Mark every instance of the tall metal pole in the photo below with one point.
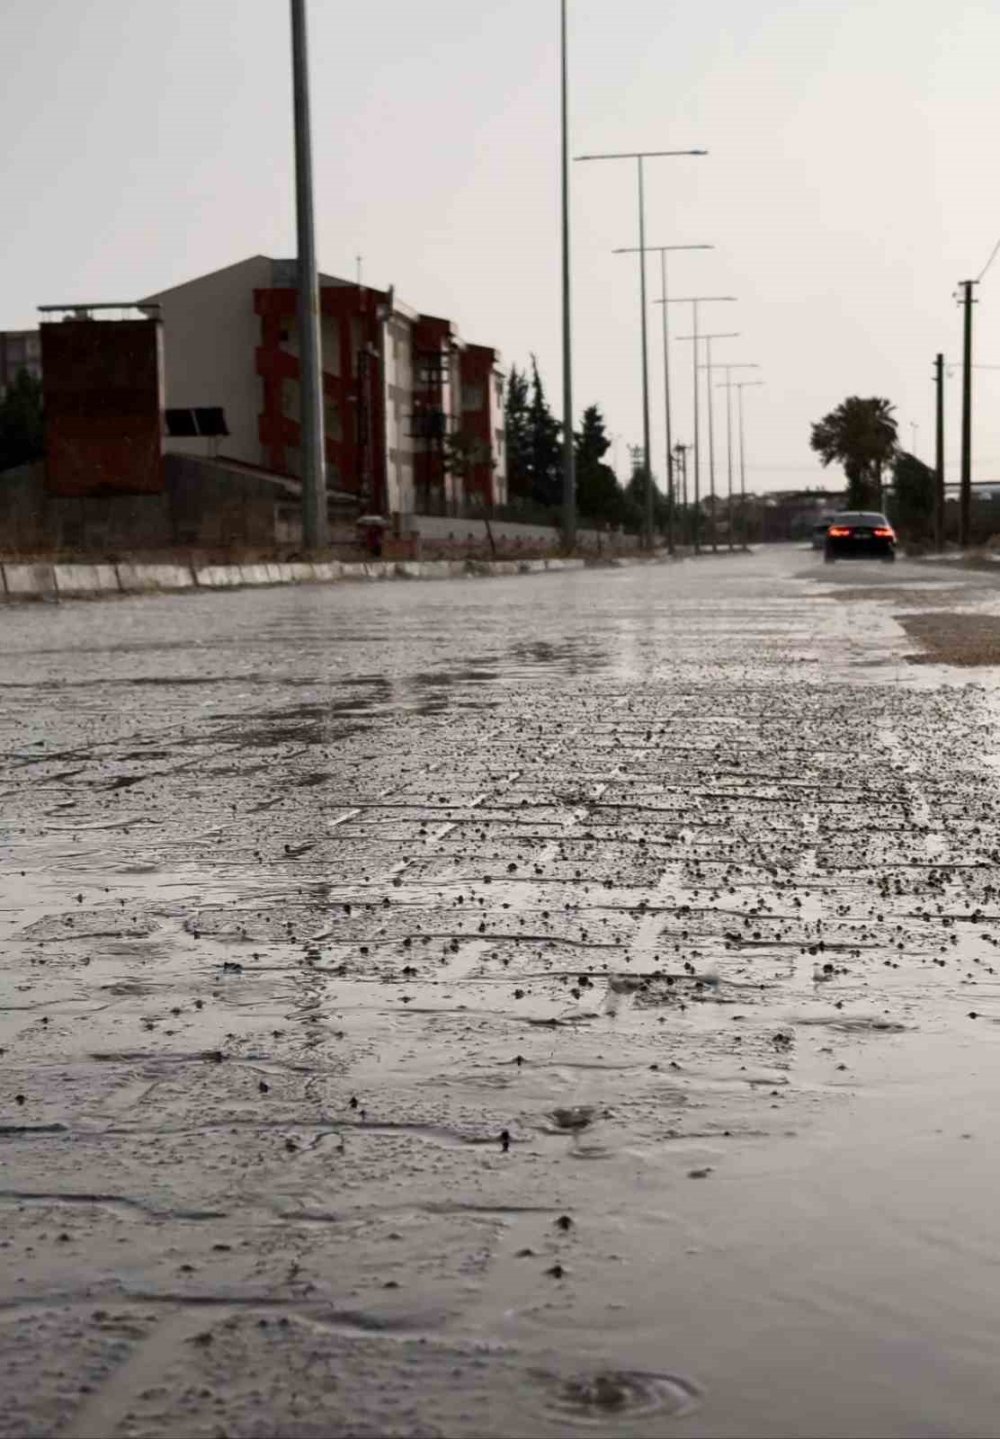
(639, 156)
(939, 454)
(666, 401)
(719, 335)
(662, 250)
(741, 385)
(647, 455)
(697, 439)
(965, 497)
(729, 457)
(711, 437)
(693, 301)
(315, 525)
(743, 473)
(569, 458)
(727, 385)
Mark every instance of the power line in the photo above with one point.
(993, 254)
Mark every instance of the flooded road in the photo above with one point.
(548, 1006)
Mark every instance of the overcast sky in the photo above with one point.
(852, 181)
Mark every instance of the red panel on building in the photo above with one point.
(103, 394)
(356, 456)
(477, 364)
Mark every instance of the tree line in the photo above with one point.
(535, 460)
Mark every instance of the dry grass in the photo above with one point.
(901, 596)
(954, 639)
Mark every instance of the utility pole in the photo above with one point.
(569, 458)
(965, 496)
(939, 455)
(680, 468)
(638, 156)
(315, 525)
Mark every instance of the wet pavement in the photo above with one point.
(546, 1006)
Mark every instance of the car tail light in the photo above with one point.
(839, 532)
(884, 534)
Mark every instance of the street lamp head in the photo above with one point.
(658, 249)
(638, 154)
(693, 299)
(729, 365)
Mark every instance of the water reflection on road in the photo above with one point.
(531, 1005)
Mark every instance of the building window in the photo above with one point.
(208, 421)
(473, 397)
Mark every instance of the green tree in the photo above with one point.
(599, 496)
(544, 445)
(913, 485)
(21, 422)
(861, 435)
(517, 433)
(635, 498)
(464, 453)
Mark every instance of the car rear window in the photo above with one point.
(861, 517)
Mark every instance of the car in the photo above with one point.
(859, 534)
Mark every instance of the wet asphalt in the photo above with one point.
(553, 1005)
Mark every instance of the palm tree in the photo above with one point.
(861, 435)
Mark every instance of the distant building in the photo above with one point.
(414, 414)
(19, 350)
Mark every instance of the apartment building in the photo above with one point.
(414, 414)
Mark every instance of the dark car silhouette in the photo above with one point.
(859, 534)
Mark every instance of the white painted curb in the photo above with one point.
(218, 577)
(29, 582)
(141, 579)
(80, 580)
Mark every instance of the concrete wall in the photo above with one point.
(204, 505)
(210, 339)
(443, 536)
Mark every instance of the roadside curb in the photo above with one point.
(33, 582)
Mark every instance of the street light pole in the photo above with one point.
(965, 495)
(741, 385)
(569, 458)
(638, 156)
(711, 425)
(727, 385)
(694, 301)
(315, 525)
(939, 453)
(662, 251)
